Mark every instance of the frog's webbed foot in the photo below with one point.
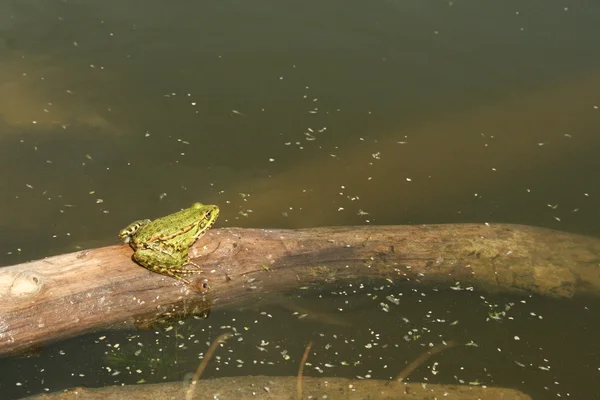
(193, 263)
(177, 273)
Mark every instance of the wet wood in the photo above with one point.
(67, 295)
(283, 388)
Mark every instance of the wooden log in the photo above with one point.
(67, 295)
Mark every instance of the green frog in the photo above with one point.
(162, 245)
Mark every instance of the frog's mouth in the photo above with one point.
(125, 237)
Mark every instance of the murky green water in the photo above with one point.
(319, 113)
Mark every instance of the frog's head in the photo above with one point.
(210, 214)
(130, 230)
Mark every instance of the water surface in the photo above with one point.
(301, 114)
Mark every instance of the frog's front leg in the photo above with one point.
(164, 263)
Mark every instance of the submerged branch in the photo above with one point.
(409, 369)
(189, 394)
(299, 387)
(281, 388)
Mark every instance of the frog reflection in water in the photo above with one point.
(162, 245)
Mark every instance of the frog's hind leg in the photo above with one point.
(174, 255)
(168, 250)
(168, 265)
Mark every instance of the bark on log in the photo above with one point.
(67, 295)
(284, 388)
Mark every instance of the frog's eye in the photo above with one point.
(212, 214)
